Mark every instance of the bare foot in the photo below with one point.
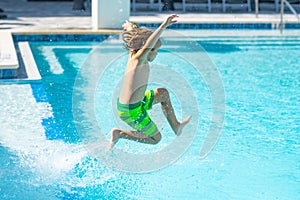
(115, 136)
(182, 124)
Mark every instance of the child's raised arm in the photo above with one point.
(151, 41)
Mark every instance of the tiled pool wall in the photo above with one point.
(14, 73)
(100, 37)
(235, 26)
(56, 37)
(6, 74)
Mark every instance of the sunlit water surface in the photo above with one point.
(256, 156)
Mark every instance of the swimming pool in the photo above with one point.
(45, 155)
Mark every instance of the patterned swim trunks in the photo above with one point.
(136, 116)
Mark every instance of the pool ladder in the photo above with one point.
(281, 23)
(283, 2)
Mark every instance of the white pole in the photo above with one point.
(256, 8)
(109, 14)
(281, 16)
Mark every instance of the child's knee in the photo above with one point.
(164, 93)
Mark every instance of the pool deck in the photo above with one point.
(23, 16)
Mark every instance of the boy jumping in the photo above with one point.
(134, 99)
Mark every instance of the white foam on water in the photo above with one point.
(22, 133)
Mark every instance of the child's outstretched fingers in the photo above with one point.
(170, 20)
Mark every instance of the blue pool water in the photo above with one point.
(45, 154)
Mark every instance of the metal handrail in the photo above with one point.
(282, 12)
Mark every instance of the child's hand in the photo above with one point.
(170, 20)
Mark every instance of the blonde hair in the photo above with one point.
(134, 37)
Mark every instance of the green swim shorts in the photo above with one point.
(136, 116)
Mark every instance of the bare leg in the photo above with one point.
(116, 134)
(161, 95)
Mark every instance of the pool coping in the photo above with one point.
(8, 56)
(29, 62)
(27, 70)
